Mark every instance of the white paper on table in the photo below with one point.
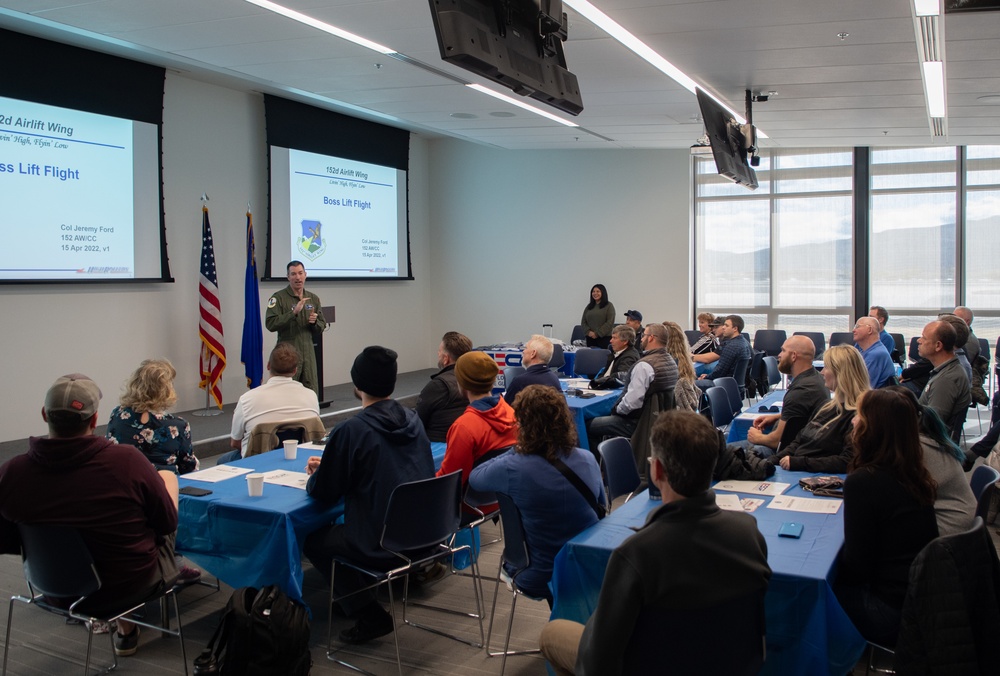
(734, 503)
(753, 487)
(599, 393)
(312, 446)
(729, 502)
(218, 473)
(282, 477)
(811, 505)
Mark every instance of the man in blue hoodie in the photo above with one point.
(365, 459)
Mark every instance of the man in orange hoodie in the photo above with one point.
(487, 427)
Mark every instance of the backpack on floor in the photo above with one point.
(261, 633)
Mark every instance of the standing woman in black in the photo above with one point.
(598, 318)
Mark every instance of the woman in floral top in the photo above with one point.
(141, 419)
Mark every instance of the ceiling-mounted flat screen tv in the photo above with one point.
(728, 141)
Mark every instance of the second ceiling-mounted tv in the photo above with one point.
(728, 140)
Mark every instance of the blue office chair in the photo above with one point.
(515, 553)
(589, 361)
(818, 339)
(732, 389)
(841, 338)
(984, 485)
(769, 341)
(773, 374)
(510, 373)
(58, 565)
(914, 352)
(558, 358)
(719, 408)
(420, 519)
(619, 466)
(578, 334)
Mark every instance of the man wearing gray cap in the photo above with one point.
(125, 510)
(366, 458)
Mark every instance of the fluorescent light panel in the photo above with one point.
(927, 7)
(644, 51)
(321, 25)
(520, 104)
(381, 49)
(934, 87)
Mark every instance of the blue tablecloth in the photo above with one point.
(807, 631)
(741, 424)
(585, 409)
(252, 542)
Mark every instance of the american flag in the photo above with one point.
(213, 353)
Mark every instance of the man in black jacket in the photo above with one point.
(623, 356)
(440, 402)
(365, 459)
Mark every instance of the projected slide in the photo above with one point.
(67, 185)
(345, 217)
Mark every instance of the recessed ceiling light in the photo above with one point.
(502, 113)
(464, 116)
(989, 98)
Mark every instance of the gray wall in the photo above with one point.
(520, 237)
(502, 242)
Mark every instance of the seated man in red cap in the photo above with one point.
(109, 492)
(365, 459)
(487, 428)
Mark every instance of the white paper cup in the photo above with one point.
(291, 449)
(255, 485)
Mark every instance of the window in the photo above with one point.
(786, 254)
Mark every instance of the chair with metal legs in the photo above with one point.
(421, 518)
(515, 553)
(58, 565)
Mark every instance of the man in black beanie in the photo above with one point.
(366, 457)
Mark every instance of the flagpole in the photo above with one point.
(209, 410)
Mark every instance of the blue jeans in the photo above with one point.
(229, 457)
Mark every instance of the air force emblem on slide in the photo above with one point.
(311, 243)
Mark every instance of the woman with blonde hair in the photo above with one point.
(141, 418)
(824, 444)
(687, 396)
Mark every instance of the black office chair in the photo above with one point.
(769, 341)
(420, 519)
(900, 348)
(58, 565)
(841, 338)
(515, 553)
(740, 370)
(727, 638)
(693, 336)
(589, 361)
(619, 466)
(952, 607)
(818, 339)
